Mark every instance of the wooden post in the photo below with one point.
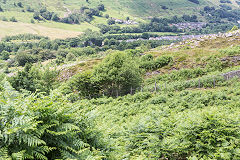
(199, 83)
(214, 83)
(155, 88)
(131, 91)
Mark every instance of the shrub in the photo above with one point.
(1, 10)
(231, 51)
(148, 63)
(39, 127)
(110, 21)
(34, 79)
(211, 133)
(70, 57)
(85, 85)
(13, 19)
(162, 61)
(23, 58)
(4, 19)
(4, 55)
(118, 73)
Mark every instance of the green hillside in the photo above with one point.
(138, 11)
(178, 101)
(123, 8)
(119, 80)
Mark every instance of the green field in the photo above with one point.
(187, 109)
(139, 11)
(120, 8)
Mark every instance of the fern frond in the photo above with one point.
(4, 154)
(19, 155)
(32, 141)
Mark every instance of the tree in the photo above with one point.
(29, 9)
(36, 15)
(111, 21)
(55, 18)
(118, 72)
(106, 16)
(34, 78)
(5, 55)
(20, 4)
(101, 7)
(91, 38)
(70, 57)
(4, 18)
(23, 58)
(85, 85)
(1, 10)
(13, 19)
(194, 1)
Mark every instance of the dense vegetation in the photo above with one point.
(113, 110)
(105, 17)
(113, 92)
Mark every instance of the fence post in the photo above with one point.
(155, 88)
(214, 82)
(131, 91)
(103, 94)
(199, 83)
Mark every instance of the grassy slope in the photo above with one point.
(47, 28)
(10, 28)
(143, 8)
(138, 10)
(132, 122)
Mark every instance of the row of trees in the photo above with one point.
(33, 48)
(84, 14)
(156, 25)
(116, 74)
(214, 15)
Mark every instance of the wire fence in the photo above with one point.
(203, 82)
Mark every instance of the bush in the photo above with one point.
(23, 58)
(85, 85)
(148, 63)
(4, 55)
(37, 127)
(207, 134)
(4, 19)
(13, 19)
(110, 21)
(34, 79)
(70, 57)
(162, 61)
(118, 73)
(231, 51)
